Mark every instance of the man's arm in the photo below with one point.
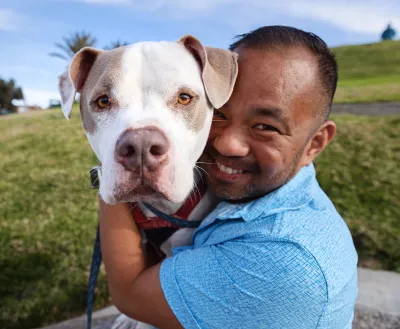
(248, 282)
(135, 288)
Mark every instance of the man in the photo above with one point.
(276, 254)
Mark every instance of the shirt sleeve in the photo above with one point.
(237, 284)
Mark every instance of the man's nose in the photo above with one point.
(231, 141)
(142, 148)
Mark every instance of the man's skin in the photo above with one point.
(272, 126)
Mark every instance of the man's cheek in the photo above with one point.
(269, 158)
(216, 130)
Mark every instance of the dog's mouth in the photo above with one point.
(141, 193)
(145, 186)
(140, 190)
(144, 190)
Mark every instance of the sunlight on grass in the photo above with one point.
(368, 73)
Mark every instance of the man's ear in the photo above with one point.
(73, 80)
(219, 69)
(319, 141)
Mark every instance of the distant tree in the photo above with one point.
(54, 103)
(116, 44)
(8, 92)
(72, 44)
(389, 33)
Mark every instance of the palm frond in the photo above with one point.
(72, 44)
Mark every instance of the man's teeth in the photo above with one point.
(228, 170)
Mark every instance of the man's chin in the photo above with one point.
(227, 191)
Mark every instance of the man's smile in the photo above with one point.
(228, 174)
(229, 170)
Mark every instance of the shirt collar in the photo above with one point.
(292, 195)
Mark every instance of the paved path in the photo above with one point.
(378, 305)
(368, 109)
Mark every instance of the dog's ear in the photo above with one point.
(219, 69)
(73, 80)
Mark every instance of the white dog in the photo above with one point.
(147, 109)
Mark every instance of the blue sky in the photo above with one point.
(29, 28)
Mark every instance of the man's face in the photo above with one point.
(258, 138)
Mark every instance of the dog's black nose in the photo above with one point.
(142, 148)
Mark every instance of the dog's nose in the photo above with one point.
(143, 147)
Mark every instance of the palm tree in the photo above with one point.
(72, 44)
(8, 92)
(116, 44)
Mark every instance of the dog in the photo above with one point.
(147, 110)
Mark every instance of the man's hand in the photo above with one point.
(135, 289)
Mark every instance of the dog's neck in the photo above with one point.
(164, 205)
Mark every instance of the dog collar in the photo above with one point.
(95, 177)
(177, 220)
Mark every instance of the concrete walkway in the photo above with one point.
(383, 108)
(378, 302)
(377, 307)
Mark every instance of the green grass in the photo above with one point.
(368, 73)
(48, 213)
(47, 220)
(360, 172)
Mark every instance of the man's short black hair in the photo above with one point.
(282, 37)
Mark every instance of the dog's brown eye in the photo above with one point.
(184, 99)
(102, 102)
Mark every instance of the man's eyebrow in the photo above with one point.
(275, 112)
(272, 112)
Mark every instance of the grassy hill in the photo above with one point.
(48, 213)
(368, 73)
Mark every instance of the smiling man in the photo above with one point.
(275, 254)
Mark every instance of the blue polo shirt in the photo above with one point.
(286, 260)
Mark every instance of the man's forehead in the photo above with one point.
(274, 64)
(284, 82)
(271, 73)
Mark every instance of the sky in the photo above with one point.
(30, 28)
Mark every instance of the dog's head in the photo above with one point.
(147, 110)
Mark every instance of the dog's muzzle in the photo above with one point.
(143, 148)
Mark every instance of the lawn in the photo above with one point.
(368, 73)
(48, 213)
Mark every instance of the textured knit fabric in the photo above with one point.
(286, 260)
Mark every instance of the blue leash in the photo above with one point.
(97, 258)
(94, 273)
(171, 219)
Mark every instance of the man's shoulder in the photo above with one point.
(319, 229)
(314, 223)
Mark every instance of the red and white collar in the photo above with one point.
(148, 223)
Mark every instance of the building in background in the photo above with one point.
(389, 33)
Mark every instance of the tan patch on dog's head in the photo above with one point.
(104, 74)
(193, 114)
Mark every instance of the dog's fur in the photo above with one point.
(143, 82)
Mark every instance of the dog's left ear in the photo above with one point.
(73, 80)
(219, 69)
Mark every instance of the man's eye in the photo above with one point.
(219, 114)
(265, 127)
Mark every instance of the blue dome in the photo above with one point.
(389, 33)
